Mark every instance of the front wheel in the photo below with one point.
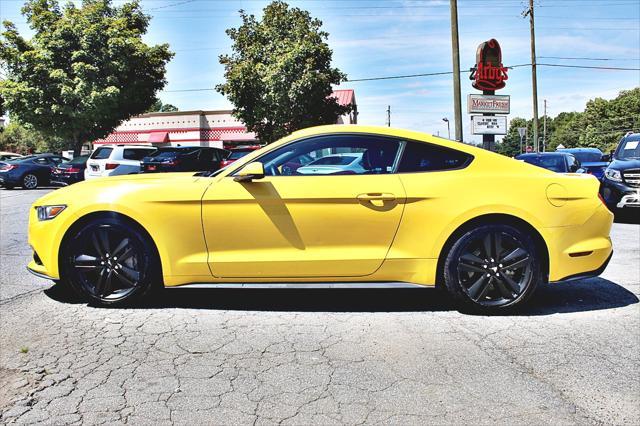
(110, 261)
(492, 267)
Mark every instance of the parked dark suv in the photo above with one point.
(184, 159)
(621, 183)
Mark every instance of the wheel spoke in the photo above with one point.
(100, 283)
(86, 262)
(497, 245)
(107, 288)
(123, 278)
(471, 268)
(123, 244)
(504, 291)
(96, 244)
(486, 243)
(128, 252)
(471, 258)
(518, 263)
(514, 254)
(479, 288)
(512, 284)
(130, 273)
(104, 240)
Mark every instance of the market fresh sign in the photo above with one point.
(493, 104)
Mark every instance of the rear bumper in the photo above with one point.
(589, 274)
(581, 250)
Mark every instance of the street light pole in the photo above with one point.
(534, 78)
(455, 48)
(448, 127)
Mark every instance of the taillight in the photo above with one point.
(71, 170)
(110, 166)
(8, 167)
(602, 199)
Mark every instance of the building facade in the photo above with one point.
(200, 128)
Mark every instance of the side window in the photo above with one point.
(333, 155)
(56, 160)
(135, 154)
(43, 161)
(424, 157)
(205, 156)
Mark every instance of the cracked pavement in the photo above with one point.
(338, 356)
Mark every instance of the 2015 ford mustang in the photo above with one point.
(418, 210)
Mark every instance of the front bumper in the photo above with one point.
(38, 271)
(619, 195)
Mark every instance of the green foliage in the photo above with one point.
(19, 139)
(84, 71)
(279, 75)
(158, 106)
(601, 125)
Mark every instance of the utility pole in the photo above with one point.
(534, 79)
(388, 115)
(544, 128)
(455, 48)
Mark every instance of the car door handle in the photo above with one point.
(376, 196)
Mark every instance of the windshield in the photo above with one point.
(236, 155)
(334, 160)
(628, 150)
(170, 152)
(553, 163)
(101, 153)
(78, 160)
(588, 157)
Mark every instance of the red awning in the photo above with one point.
(158, 137)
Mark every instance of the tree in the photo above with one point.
(158, 106)
(22, 140)
(510, 145)
(279, 75)
(84, 71)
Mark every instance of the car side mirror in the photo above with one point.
(250, 172)
(606, 158)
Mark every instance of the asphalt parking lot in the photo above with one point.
(399, 356)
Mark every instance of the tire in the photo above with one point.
(30, 181)
(110, 261)
(492, 268)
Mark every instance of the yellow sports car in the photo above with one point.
(417, 210)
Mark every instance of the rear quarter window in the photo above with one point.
(136, 153)
(101, 153)
(424, 157)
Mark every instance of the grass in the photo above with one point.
(24, 350)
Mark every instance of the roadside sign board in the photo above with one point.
(488, 125)
(522, 131)
(493, 104)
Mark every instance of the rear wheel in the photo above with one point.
(492, 267)
(30, 181)
(110, 261)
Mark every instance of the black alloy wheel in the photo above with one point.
(110, 262)
(493, 267)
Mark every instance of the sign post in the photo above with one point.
(489, 75)
(522, 131)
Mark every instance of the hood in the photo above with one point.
(625, 164)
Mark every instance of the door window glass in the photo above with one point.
(424, 157)
(136, 154)
(333, 155)
(101, 153)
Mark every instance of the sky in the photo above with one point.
(379, 38)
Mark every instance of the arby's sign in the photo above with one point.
(489, 73)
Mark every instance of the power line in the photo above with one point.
(589, 67)
(589, 59)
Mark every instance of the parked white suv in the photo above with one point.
(113, 160)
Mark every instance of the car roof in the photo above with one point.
(121, 145)
(631, 137)
(579, 150)
(544, 154)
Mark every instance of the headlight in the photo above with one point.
(613, 174)
(49, 212)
